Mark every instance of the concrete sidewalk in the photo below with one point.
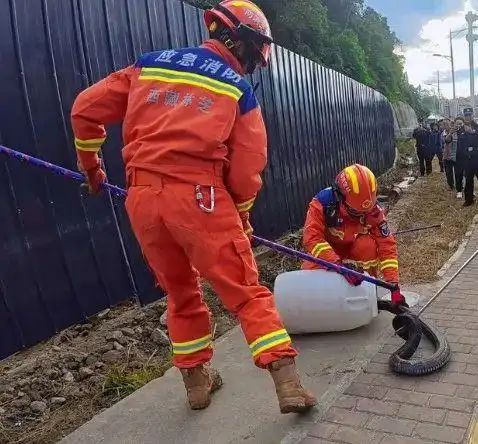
(245, 409)
(379, 407)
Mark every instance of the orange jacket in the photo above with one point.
(187, 114)
(333, 243)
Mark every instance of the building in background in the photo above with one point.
(454, 107)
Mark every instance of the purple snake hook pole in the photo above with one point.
(329, 265)
(117, 191)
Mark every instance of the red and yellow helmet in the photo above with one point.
(246, 21)
(358, 187)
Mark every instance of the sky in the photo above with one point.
(423, 27)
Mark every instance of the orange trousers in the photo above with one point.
(362, 253)
(181, 242)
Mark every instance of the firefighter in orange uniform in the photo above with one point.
(345, 225)
(194, 148)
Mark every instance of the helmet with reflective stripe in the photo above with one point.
(247, 23)
(358, 187)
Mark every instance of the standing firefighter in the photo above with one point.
(195, 146)
(346, 226)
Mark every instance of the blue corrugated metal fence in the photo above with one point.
(64, 257)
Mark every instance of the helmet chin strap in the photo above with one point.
(248, 58)
(338, 194)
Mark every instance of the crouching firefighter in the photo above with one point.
(194, 148)
(346, 226)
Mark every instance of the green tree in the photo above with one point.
(345, 36)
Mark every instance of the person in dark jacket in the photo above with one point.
(469, 120)
(467, 158)
(422, 138)
(436, 144)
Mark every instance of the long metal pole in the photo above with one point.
(438, 77)
(470, 18)
(438, 98)
(272, 245)
(330, 266)
(412, 230)
(452, 58)
(472, 75)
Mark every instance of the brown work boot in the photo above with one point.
(293, 398)
(200, 383)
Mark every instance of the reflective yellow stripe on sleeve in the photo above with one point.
(320, 248)
(91, 145)
(269, 341)
(389, 263)
(186, 348)
(246, 206)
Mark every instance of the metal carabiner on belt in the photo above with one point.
(200, 199)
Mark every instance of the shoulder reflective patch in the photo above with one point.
(198, 67)
(181, 77)
(384, 229)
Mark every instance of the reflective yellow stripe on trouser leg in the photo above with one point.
(366, 265)
(269, 341)
(187, 348)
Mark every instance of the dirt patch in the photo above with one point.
(52, 388)
(429, 202)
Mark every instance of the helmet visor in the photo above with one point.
(260, 42)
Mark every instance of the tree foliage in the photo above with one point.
(343, 35)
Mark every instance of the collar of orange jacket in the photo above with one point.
(218, 48)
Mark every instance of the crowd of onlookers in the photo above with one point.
(455, 144)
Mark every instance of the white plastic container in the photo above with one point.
(313, 301)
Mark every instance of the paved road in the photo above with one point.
(381, 408)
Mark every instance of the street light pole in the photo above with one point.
(452, 59)
(471, 18)
(438, 77)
